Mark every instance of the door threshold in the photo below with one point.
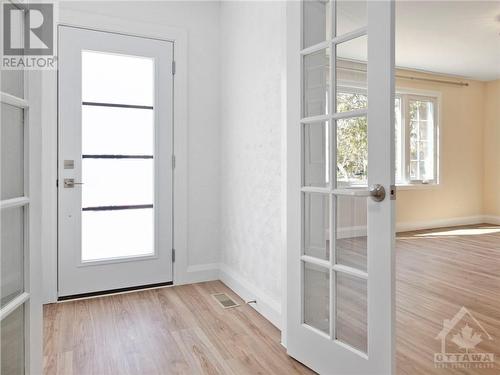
(113, 291)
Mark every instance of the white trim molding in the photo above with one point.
(439, 223)
(491, 219)
(268, 307)
(199, 273)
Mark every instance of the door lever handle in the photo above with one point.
(70, 183)
(376, 192)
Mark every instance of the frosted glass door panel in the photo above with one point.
(117, 131)
(117, 182)
(117, 79)
(117, 234)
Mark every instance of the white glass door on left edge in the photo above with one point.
(20, 308)
(340, 260)
(115, 150)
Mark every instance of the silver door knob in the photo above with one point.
(70, 183)
(376, 192)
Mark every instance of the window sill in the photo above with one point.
(417, 186)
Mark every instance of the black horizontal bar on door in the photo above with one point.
(95, 104)
(115, 208)
(117, 156)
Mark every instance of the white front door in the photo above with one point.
(340, 260)
(115, 161)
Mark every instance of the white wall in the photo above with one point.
(250, 150)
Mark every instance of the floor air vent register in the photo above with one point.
(224, 300)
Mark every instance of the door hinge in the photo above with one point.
(57, 183)
(173, 161)
(173, 67)
(173, 255)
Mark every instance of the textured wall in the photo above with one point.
(251, 68)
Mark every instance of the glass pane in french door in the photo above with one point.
(12, 254)
(12, 81)
(118, 153)
(351, 15)
(351, 150)
(316, 157)
(351, 74)
(12, 152)
(351, 311)
(317, 297)
(351, 232)
(316, 21)
(316, 230)
(316, 83)
(12, 332)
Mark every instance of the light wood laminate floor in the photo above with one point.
(181, 330)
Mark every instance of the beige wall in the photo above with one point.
(460, 192)
(491, 188)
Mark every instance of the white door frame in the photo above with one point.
(384, 174)
(50, 140)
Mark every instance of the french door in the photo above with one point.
(340, 268)
(20, 274)
(115, 161)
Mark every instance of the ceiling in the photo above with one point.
(460, 38)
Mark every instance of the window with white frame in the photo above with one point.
(416, 140)
(418, 163)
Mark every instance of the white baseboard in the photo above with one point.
(439, 223)
(361, 230)
(199, 273)
(354, 231)
(266, 306)
(491, 219)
